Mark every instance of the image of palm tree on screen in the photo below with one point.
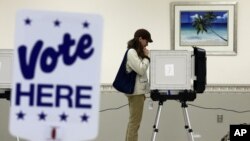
(204, 28)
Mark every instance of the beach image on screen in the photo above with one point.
(203, 28)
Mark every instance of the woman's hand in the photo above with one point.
(146, 51)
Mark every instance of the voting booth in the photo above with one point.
(177, 75)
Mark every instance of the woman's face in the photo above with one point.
(143, 42)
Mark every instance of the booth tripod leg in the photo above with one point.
(157, 119)
(187, 121)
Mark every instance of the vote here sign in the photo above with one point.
(56, 76)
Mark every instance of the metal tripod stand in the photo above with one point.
(187, 121)
(157, 119)
(183, 99)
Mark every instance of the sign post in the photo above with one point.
(56, 76)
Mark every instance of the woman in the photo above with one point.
(137, 60)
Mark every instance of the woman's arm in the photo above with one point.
(139, 65)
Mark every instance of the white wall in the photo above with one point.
(122, 18)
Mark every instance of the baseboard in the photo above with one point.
(210, 88)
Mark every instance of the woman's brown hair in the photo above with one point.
(135, 44)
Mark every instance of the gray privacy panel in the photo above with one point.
(5, 68)
(170, 70)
